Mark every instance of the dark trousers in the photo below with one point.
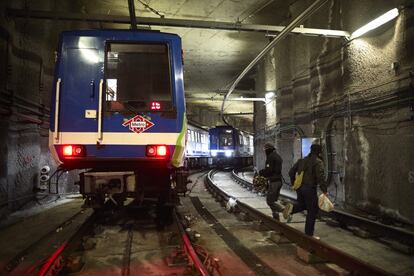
(272, 195)
(307, 200)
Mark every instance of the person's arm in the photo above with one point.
(275, 166)
(267, 171)
(320, 176)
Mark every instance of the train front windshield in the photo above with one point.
(137, 75)
(226, 139)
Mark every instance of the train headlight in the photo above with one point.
(213, 153)
(228, 153)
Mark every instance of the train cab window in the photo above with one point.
(226, 139)
(137, 74)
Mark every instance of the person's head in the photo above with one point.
(268, 148)
(316, 149)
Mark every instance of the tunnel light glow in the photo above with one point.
(88, 53)
(386, 17)
(269, 95)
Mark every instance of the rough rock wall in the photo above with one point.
(355, 96)
(27, 60)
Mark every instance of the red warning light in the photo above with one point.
(156, 151)
(67, 151)
(161, 151)
(155, 105)
(151, 150)
(75, 151)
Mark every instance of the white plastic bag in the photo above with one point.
(231, 204)
(325, 204)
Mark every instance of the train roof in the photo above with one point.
(112, 32)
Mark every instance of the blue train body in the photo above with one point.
(229, 145)
(118, 110)
(106, 81)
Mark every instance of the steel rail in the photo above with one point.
(51, 263)
(344, 218)
(127, 257)
(189, 249)
(317, 247)
(20, 256)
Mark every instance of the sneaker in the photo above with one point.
(288, 210)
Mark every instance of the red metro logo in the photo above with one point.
(138, 124)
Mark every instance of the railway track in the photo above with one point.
(396, 237)
(21, 261)
(316, 247)
(125, 245)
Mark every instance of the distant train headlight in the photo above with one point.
(228, 153)
(213, 153)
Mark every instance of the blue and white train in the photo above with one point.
(221, 145)
(230, 146)
(118, 110)
(197, 151)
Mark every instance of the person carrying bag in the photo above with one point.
(306, 175)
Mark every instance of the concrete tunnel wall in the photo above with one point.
(372, 149)
(27, 57)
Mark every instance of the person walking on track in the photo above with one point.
(273, 172)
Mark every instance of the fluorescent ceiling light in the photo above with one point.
(248, 99)
(386, 17)
(269, 95)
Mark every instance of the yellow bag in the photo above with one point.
(298, 180)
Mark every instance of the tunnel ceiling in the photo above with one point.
(212, 57)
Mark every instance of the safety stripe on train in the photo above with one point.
(114, 138)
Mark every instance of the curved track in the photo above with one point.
(319, 248)
(348, 220)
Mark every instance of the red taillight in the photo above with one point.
(70, 150)
(151, 151)
(67, 151)
(161, 150)
(156, 151)
(155, 106)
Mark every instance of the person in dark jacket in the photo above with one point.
(273, 171)
(307, 198)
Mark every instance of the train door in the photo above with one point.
(78, 99)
